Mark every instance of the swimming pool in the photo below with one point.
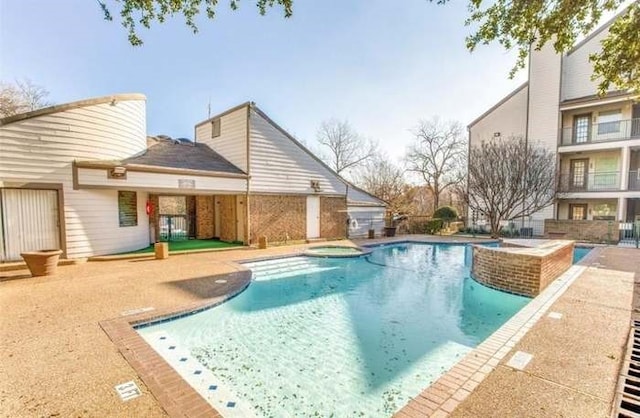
(348, 337)
(579, 253)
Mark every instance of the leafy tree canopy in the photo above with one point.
(514, 24)
(146, 12)
(525, 24)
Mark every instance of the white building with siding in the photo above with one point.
(278, 164)
(596, 139)
(85, 178)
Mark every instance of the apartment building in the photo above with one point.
(596, 139)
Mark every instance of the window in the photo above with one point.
(215, 128)
(604, 212)
(609, 122)
(606, 173)
(578, 212)
(127, 208)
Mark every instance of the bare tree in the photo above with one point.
(510, 179)
(346, 149)
(384, 179)
(438, 155)
(21, 96)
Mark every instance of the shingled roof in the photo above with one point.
(177, 154)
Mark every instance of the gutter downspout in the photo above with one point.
(247, 206)
(346, 203)
(526, 135)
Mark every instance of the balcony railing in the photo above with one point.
(634, 180)
(591, 182)
(601, 132)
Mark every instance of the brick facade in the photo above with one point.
(521, 271)
(278, 217)
(333, 217)
(592, 231)
(228, 226)
(205, 220)
(154, 218)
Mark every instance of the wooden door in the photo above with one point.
(578, 176)
(581, 128)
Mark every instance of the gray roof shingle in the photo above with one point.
(175, 154)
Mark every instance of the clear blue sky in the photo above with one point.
(381, 64)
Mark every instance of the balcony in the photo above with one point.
(634, 180)
(589, 182)
(601, 132)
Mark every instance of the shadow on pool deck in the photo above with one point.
(576, 359)
(205, 287)
(57, 361)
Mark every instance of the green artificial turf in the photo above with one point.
(192, 244)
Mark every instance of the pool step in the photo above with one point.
(286, 267)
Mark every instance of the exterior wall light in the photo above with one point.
(118, 172)
(315, 185)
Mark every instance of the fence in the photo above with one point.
(629, 233)
(173, 228)
(513, 228)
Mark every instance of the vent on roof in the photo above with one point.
(627, 403)
(215, 128)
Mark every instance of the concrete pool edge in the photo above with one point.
(452, 388)
(174, 394)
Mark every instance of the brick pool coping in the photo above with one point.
(448, 391)
(175, 395)
(439, 399)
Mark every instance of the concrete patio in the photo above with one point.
(57, 360)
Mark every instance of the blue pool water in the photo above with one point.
(342, 337)
(579, 253)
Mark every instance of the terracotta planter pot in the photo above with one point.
(42, 263)
(390, 231)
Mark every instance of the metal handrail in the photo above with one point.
(602, 132)
(634, 180)
(591, 182)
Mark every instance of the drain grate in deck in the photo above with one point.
(627, 403)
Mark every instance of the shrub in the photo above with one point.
(434, 226)
(446, 213)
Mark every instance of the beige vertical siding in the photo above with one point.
(509, 118)
(544, 97)
(232, 142)
(279, 165)
(577, 70)
(357, 195)
(41, 149)
(161, 182)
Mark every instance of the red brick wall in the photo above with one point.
(204, 217)
(279, 218)
(154, 219)
(554, 264)
(592, 231)
(333, 217)
(228, 220)
(517, 271)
